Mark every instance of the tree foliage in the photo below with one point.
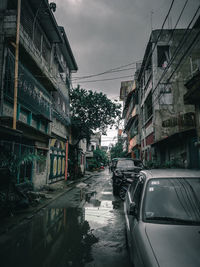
(99, 157)
(117, 151)
(91, 111)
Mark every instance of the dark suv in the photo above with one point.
(124, 168)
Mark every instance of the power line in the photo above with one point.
(114, 71)
(109, 79)
(106, 72)
(180, 45)
(150, 54)
(177, 50)
(182, 41)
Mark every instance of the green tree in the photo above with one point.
(99, 156)
(117, 151)
(91, 111)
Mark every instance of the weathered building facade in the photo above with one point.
(127, 90)
(93, 144)
(166, 126)
(192, 97)
(131, 121)
(45, 65)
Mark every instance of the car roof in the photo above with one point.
(170, 173)
(126, 159)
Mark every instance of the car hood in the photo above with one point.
(174, 245)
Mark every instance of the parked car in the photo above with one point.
(124, 168)
(162, 213)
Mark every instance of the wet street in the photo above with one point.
(84, 227)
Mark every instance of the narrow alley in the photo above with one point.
(72, 231)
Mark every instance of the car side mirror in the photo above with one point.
(132, 209)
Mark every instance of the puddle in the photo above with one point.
(55, 237)
(107, 193)
(89, 195)
(100, 215)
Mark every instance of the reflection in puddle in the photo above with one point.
(107, 193)
(99, 215)
(56, 237)
(89, 195)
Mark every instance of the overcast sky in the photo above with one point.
(107, 34)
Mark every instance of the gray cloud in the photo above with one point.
(104, 34)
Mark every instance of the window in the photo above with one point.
(176, 199)
(137, 195)
(125, 164)
(148, 110)
(63, 106)
(163, 56)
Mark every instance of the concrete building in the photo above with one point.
(131, 118)
(159, 113)
(192, 97)
(167, 125)
(95, 143)
(82, 155)
(45, 65)
(127, 89)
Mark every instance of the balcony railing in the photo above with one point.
(61, 115)
(31, 94)
(39, 51)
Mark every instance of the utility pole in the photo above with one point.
(16, 64)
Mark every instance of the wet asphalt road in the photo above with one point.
(71, 231)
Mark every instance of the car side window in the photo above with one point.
(136, 196)
(133, 186)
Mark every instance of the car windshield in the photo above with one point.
(173, 200)
(125, 164)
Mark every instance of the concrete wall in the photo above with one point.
(171, 104)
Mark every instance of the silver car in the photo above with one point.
(162, 211)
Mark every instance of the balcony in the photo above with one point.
(62, 116)
(35, 50)
(134, 142)
(182, 122)
(31, 94)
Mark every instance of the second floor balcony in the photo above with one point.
(37, 46)
(31, 94)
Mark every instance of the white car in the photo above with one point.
(162, 212)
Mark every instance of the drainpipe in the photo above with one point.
(66, 159)
(16, 64)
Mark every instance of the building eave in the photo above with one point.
(67, 51)
(48, 20)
